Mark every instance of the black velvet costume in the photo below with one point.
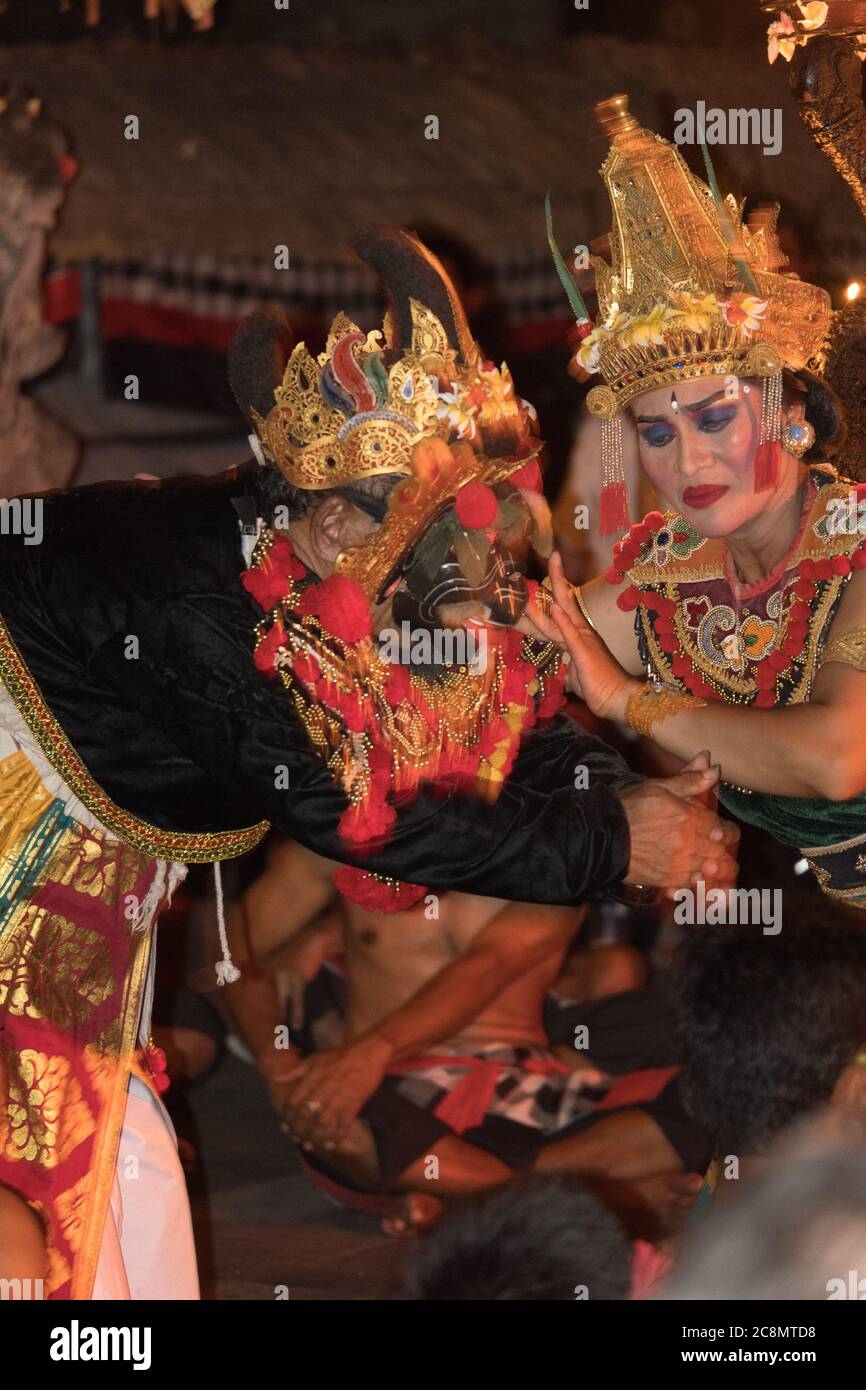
(131, 619)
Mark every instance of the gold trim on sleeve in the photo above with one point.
(850, 648)
(186, 847)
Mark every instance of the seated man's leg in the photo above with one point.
(460, 1168)
(393, 1145)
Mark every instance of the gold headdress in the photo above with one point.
(390, 401)
(690, 292)
(346, 415)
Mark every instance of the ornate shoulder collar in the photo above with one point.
(666, 548)
(697, 625)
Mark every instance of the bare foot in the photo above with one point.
(416, 1211)
(653, 1208)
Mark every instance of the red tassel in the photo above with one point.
(767, 465)
(613, 508)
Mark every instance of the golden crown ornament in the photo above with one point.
(345, 415)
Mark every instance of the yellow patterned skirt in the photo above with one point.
(76, 911)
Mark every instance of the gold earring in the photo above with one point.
(798, 436)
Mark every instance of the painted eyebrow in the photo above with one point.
(665, 419)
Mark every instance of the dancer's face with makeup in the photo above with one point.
(698, 443)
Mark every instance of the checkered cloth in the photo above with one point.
(527, 1085)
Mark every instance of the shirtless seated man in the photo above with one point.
(444, 1054)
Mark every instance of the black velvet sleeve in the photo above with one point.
(540, 841)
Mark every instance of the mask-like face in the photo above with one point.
(454, 576)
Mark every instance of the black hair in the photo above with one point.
(768, 1023)
(540, 1237)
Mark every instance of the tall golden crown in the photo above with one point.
(690, 290)
(346, 415)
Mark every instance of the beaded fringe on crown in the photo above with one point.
(768, 456)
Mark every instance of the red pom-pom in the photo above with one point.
(765, 699)
(614, 575)
(372, 819)
(765, 677)
(269, 582)
(662, 604)
(654, 520)
(840, 564)
(629, 599)
(341, 606)
(514, 686)
(161, 1081)
(641, 533)
(858, 559)
(476, 506)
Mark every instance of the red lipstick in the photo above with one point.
(701, 497)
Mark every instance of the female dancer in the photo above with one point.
(735, 620)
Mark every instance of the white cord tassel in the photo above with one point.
(226, 970)
(165, 879)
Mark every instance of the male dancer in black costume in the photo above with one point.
(136, 733)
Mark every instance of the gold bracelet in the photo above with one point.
(655, 701)
(849, 648)
(581, 603)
